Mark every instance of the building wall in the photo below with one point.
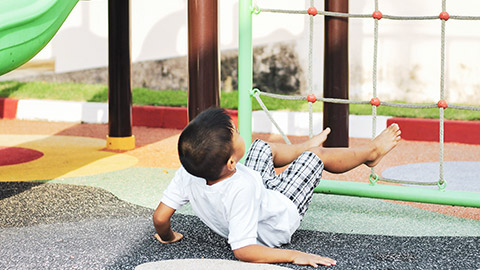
(408, 58)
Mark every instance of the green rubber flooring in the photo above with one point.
(327, 213)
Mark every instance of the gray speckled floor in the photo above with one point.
(37, 203)
(74, 227)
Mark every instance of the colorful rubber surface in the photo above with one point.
(80, 206)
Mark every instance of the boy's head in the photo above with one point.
(209, 143)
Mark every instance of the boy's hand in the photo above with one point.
(263, 254)
(176, 238)
(313, 260)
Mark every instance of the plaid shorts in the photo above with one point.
(296, 182)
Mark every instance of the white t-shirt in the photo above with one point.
(238, 208)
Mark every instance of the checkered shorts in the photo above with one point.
(296, 182)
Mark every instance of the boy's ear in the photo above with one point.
(231, 163)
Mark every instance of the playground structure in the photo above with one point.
(408, 236)
(28, 25)
(120, 136)
(395, 192)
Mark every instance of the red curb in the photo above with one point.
(8, 108)
(159, 117)
(166, 117)
(234, 116)
(467, 132)
(414, 129)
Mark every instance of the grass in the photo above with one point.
(177, 98)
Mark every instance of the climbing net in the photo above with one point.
(377, 15)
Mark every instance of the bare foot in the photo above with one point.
(383, 143)
(318, 139)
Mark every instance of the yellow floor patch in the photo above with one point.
(161, 154)
(64, 156)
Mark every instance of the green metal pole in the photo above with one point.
(245, 71)
(399, 193)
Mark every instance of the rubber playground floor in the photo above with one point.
(67, 203)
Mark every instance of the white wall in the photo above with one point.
(408, 59)
(409, 52)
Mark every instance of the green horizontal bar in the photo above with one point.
(399, 193)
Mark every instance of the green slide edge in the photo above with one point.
(26, 27)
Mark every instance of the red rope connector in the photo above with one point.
(312, 11)
(444, 16)
(377, 14)
(311, 98)
(442, 104)
(375, 101)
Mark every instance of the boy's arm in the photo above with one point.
(161, 221)
(263, 254)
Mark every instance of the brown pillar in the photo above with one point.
(203, 59)
(335, 83)
(119, 77)
(119, 74)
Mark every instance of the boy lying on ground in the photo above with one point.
(251, 206)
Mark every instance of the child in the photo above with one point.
(251, 206)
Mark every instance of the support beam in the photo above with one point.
(203, 56)
(245, 71)
(119, 77)
(335, 83)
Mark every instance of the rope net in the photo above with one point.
(375, 101)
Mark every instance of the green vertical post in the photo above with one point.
(245, 70)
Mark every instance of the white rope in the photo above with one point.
(441, 182)
(269, 115)
(374, 80)
(310, 72)
(352, 15)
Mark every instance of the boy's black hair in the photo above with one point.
(206, 144)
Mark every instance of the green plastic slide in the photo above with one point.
(26, 26)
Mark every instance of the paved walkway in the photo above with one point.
(79, 206)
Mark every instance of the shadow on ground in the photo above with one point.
(351, 251)
(8, 189)
(89, 228)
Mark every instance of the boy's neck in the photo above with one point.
(222, 177)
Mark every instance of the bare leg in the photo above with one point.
(284, 154)
(339, 160)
